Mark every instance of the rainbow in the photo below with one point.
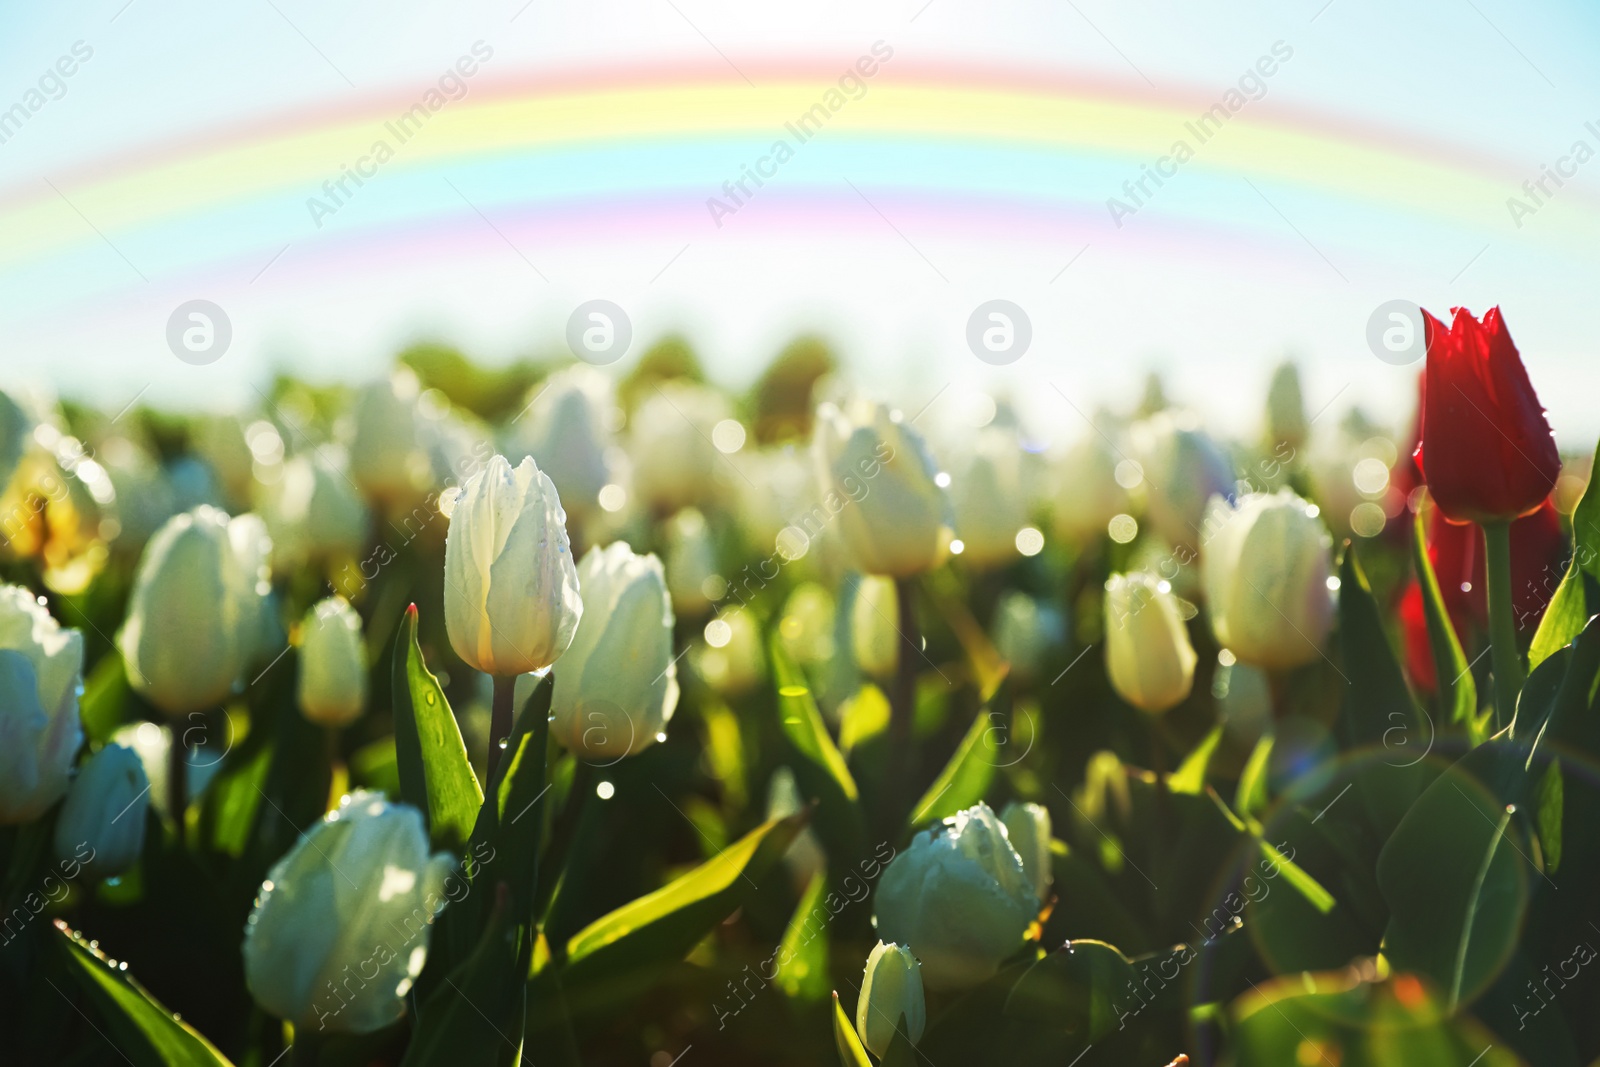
(618, 154)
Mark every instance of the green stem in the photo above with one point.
(902, 703)
(178, 784)
(500, 729)
(1508, 673)
(540, 750)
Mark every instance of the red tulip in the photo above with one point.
(1487, 453)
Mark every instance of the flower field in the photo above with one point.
(562, 714)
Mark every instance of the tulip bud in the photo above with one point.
(987, 498)
(1183, 469)
(1025, 632)
(691, 563)
(388, 456)
(340, 928)
(1028, 830)
(1265, 569)
(891, 999)
(877, 477)
(959, 898)
(732, 660)
(316, 512)
(1148, 655)
(511, 602)
(670, 442)
(105, 810)
(1087, 493)
(567, 431)
(1487, 453)
(192, 616)
(874, 631)
(41, 671)
(618, 683)
(333, 664)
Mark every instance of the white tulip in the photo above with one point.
(511, 602)
(893, 516)
(193, 616)
(1149, 658)
(618, 684)
(341, 926)
(41, 674)
(1265, 567)
(959, 898)
(105, 812)
(1028, 830)
(333, 664)
(891, 999)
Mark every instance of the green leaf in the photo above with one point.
(863, 717)
(1295, 875)
(139, 1024)
(230, 803)
(1552, 801)
(802, 723)
(851, 1054)
(1458, 692)
(804, 949)
(1376, 699)
(622, 953)
(820, 772)
(1454, 877)
(1191, 776)
(1569, 609)
(966, 777)
(435, 774)
(1075, 988)
(1252, 796)
(1563, 618)
(476, 1016)
(1377, 709)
